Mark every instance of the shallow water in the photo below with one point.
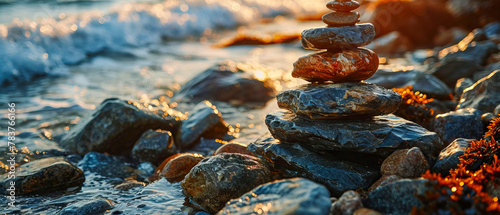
(97, 61)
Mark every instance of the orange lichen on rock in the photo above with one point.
(414, 106)
(494, 129)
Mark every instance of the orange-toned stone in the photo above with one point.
(343, 5)
(335, 19)
(346, 65)
(175, 167)
(233, 148)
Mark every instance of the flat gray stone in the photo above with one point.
(484, 95)
(330, 101)
(337, 37)
(449, 158)
(379, 136)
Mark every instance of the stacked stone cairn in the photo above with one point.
(337, 129)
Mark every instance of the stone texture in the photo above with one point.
(477, 52)
(346, 65)
(233, 148)
(449, 157)
(384, 180)
(95, 206)
(463, 123)
(154, 146)
(331, 101)
(218, 179)
(421, 81)
(338, 19)
(42, 176)
(336, 173)
(461, 85)
(338, 37)
(178, 166)
(406, 163)
(114, 127)
(347, 204)
(290, 196)
(342, 6)
(398, 197)
(227, 82)
(450, 71)
(497, 110)
(379, 136)
(110, 166)
(484, 95)
(205, 121)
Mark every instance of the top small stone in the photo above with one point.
(343, 5)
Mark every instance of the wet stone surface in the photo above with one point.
(463, 123)
(97, 206)
(154, 146)
(449, 158)
(337, 37)
(484, 95)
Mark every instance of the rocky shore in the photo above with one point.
(356, 139)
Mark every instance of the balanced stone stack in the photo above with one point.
(336, 130)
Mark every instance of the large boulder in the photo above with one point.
(228, 82)
(330, 101)
(41, 176)
(218, 179)
(449, 158)
(379, 136)
(463, 123)
(484, 95)
(420, 81)
(114, 127)
(290, 196)
(294, 160)
(205, 121)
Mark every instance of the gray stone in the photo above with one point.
(349, 202)
(113, 128)
(330, 101)
(337, 37)
(449, 157)
(336, 173)
(450, 71)
(463, 123)
(227, 82)
(421, 81)
(379, 136)
(406, 163)
(42, 176)
(461, 85)
(205, 121)
(96, 206)
(497, 110)
(218, 179)
(154, 146)
(290, 196)
(398, 197)
(484, 95)
(477, 52)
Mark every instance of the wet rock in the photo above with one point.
(290, 196)
(337, 19)
(379, 136)
(391, 43)
(225, 176)
(450, 71)
(154, 146)
(421, 81)
(42, 176)
(233, 148)
(294, 160)
(366, 211)
(484, 95)
(449, 157)
(397, 197)
(477, 52)
(347, 204)
(463, 123)
(461, 85)
(406, 163)
(109, 166)
(227, 82)
(330, 101)
(334, 38)
(205, 121)
(342, 6)
(386, 179)
(129, 185)
(176, 167)
(114, 127)
(346, 65)
(96, 206)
